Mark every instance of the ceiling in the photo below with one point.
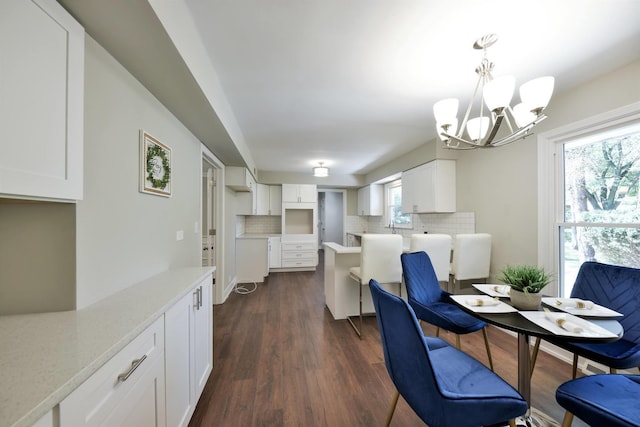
(284, 84)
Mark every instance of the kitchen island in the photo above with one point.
(340, 291)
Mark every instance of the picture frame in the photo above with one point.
(155, 166)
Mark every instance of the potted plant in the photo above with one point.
(526, 282)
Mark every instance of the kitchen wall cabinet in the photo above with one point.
(371, 200)
(252, 259)
(430, 188)
(42, 93)
(127, 391)
(275, 254)
(299, 193)
(269, 200)
(189, 357)
(239, 179)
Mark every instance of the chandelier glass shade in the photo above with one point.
(498, 123)
(321, 171)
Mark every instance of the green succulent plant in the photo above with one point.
(525, 278)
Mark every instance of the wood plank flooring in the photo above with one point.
(281, 360)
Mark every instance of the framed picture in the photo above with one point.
(155, 166)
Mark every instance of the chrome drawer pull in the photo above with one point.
(134, 365)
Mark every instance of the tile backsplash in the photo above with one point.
(447, 223)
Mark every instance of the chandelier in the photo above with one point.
(485, 131)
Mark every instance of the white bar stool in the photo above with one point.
(380, 260)
(471, 258)
(438, 247)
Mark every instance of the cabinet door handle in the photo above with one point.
(134, 365)
(195, 299)
(199, 297)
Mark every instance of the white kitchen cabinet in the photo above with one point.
(299, 254)
(252, 259)
(189, 352)
(371, 200)
(430, 187)
(275, 254)
(239, 179)
(299, 193)
(42, 97)
(129, 390)
(269, 200)
(46, 421)
(247, 202)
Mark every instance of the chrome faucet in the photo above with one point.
(392, 226)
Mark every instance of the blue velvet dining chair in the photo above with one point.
(601, 400)
(617, 288)
(433, 305)
(443, 385)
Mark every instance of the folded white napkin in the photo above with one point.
(502, 289)
(479, 302)
(565, 324)
(576, 303)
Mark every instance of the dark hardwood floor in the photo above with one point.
(281, 360)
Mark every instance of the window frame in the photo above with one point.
(388, 206)
(551, 181)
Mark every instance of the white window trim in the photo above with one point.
(550, 199)
(387, 219)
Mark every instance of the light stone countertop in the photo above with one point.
(44, 357)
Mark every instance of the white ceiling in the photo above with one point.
(352, 83)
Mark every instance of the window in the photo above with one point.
(592, 206)
(394, 215)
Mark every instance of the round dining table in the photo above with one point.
(525, 329)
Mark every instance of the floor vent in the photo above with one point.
(593, 369)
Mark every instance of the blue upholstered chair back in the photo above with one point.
(420, 278)
(617, 288)
(405, 353)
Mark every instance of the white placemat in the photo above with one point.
(568, 305)
(494, 290)
(549, 321)
(470, 301)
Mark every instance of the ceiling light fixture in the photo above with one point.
(321, 171)
(482, 131)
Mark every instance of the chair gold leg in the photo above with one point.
(574, 369)
(512, 423)
(437, 332)
(486, 344)
(353, 325)
(393, 408)
(567, 420)
(534, 355)
(458, 341)
(613, 370)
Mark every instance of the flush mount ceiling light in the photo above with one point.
(320, 171)
(483, 131)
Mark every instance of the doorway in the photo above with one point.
(212, 220)
(332, 211)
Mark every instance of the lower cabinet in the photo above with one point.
(299, 254)
(129, 390)
(157, 379)
(188, 353)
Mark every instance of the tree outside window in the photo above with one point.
(394, 212)
(601, 202)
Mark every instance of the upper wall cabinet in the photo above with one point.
(239, 179)
(269, 200)
(41, 101)
(299, 193)
(370, 200)
(430, 188)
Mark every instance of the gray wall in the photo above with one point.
(124, 236)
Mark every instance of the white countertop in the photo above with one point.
(256, 236)
(339, 249)
(44, 357)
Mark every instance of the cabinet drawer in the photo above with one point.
(299, 246)
(303, 262)
(298, 255)
(95, 400)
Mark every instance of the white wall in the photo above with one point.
(124, 236)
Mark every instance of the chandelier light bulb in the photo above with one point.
(537, 92)
(446, 111)
(477, 128)
(498, 92)
(523, 115)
